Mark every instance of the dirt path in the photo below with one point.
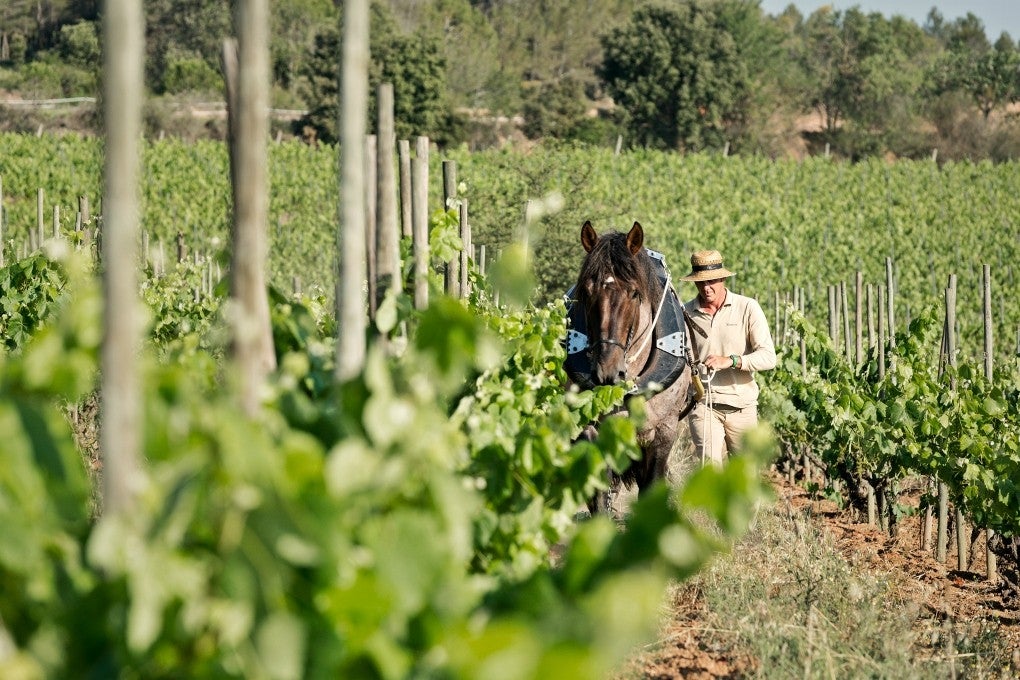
(693, 644)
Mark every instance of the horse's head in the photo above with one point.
(612, 289)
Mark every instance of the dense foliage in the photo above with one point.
(397, 525)
(922, 416)
(677, 72)
(932, 220)
(413, 64)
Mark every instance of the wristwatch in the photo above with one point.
(734, 358)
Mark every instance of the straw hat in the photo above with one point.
(707, 265)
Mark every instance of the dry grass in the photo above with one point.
(786, 603)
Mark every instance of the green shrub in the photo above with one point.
(188, 73)
(46, 79)
(78, 45)
(18, 47)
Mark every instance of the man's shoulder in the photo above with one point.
(738, 300)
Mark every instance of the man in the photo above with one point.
(730, 337)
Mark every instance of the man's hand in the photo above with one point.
(720, 362)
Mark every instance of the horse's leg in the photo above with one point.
(654, 463)
(598, 503)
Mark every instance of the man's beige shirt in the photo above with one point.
(739, 327)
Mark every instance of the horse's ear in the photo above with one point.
(588, 236)
(635, 239)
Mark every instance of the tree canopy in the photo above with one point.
(678, 73)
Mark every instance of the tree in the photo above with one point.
(989, 75)
(412, 63)
(294, 25)
(990, 79)
(470, 45)
(858, 67)
(553, 109)
(678, 73)
(182, 30)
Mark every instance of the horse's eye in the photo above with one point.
(636, 295)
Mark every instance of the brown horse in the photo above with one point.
(627, 324)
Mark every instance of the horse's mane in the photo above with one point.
(611, 257)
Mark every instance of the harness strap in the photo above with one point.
(666, 286)
(706, 429)
(691, 359)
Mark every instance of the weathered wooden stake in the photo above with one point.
(948, 358)
(387, 228)
(120, 433)
(844, 310)
(404, 162)
(803, 340)
(351, 348)
(2, 262)
(881, 333)
(858, 318)
(371, 225)
(40, 219)
(465, 237)
(890, 287)
(246, 70)
(452, 271)
(991, 570)
(420, 221)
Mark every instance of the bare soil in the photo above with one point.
(689, 648)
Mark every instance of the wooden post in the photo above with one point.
(246, 62)
(452, 271)
(465, 251)
(370, 222)
(948, 358)
(872, 342)
(40, 220)
(387, 270)
(525, 236)
(803, 340)
(83, 208)
(890, 288)
(420, 221)
(351, 347)
(926, 524)
(881, 333)
(991, 570)
(858, 325)
(872, 505)
(833, 320)
(404, 161)
(2, 262)
(961, 539)
(847, 344)
(942, 538)
(120, 431)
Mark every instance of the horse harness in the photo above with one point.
(668, 358)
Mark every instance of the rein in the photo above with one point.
(655, 321)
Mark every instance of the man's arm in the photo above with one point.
(763, 352)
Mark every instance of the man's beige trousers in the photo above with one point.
(716, 432)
